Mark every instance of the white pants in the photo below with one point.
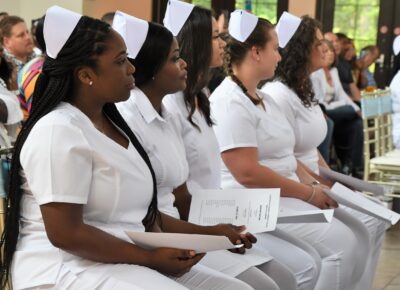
(304, 267)
(336, 245)
(375, 233)
(134, 277)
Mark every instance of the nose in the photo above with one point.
(183, 63)
(222, 43)
(131, 68)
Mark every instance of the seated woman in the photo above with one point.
(395, 90)
(80, 178)
(257, 146)
(161, 71)
(296, 99)
(345, 113)
(192, 108)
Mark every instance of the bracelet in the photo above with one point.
(313, 193)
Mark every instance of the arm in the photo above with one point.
(244, 166)
(182, 201)
(355, 92)
(66, 230)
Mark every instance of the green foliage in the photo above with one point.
(202, 3)
(358, 19)
(262, 8)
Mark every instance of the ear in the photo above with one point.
(255, 53)
(6, 42)
(85, 75)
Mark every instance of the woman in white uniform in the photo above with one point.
(191, 107)
(395, 90)
(256, 143)
(80, 178)
(308, 124)
(161, 70)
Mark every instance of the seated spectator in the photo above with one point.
(29, 74)
(368, 56)
(16, 41)
(342, 110)
(344, 67)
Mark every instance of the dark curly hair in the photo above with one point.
(294, 68)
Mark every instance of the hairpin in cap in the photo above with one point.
(242, 24)
(176, 15)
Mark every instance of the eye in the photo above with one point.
(176, 58)
(122, 61)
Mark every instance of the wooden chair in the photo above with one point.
(384, 166)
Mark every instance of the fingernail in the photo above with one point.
(192, 253)
(238, 242)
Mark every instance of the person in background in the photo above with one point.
(364, 77)
(16, 41)
(29, 74)
(339, 107)
(395, 90)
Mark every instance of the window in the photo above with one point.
(262, 8)
(202, 3)
(358, 19)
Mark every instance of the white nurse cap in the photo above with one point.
(57, 28)
(176, 15)
(396, 45)
(242, 24)
(286, 28)
(133, 30)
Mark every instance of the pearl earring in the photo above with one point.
(90, 83)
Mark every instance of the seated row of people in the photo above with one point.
(85, 169)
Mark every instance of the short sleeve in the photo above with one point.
(235, 125)
(57, 163)
(13, 109)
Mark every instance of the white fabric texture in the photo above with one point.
(395, 92)
(320, 83)
(201, 146)
(66, 159)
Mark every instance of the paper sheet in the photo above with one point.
(197, 243)
(352, 182)
(257, 209)
(292, 210)
(360, 202)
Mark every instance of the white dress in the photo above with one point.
(66, 159)
(161, 139)
(239, 123)
(395, 91)
(309, 127)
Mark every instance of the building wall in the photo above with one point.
(302, 7)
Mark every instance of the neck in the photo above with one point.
(248, 78)
(83, 101)
(22, 58)
(155, 95)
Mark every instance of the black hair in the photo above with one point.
(39, 34)
(153, 54)
(6, 71)
(196, 49)
(235, 51)
(294, 68)
(55, 84)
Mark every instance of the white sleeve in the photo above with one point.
(13, 107)
(57, 163)
(235, 125)
(342, 95)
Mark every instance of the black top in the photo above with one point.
(345, 74)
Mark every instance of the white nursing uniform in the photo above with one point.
(8, 130)
(66, 159)
(201, 145)
(162, 141)
(395, 91)
(239, 123)
(310, 129)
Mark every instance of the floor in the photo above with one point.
(388, 272)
